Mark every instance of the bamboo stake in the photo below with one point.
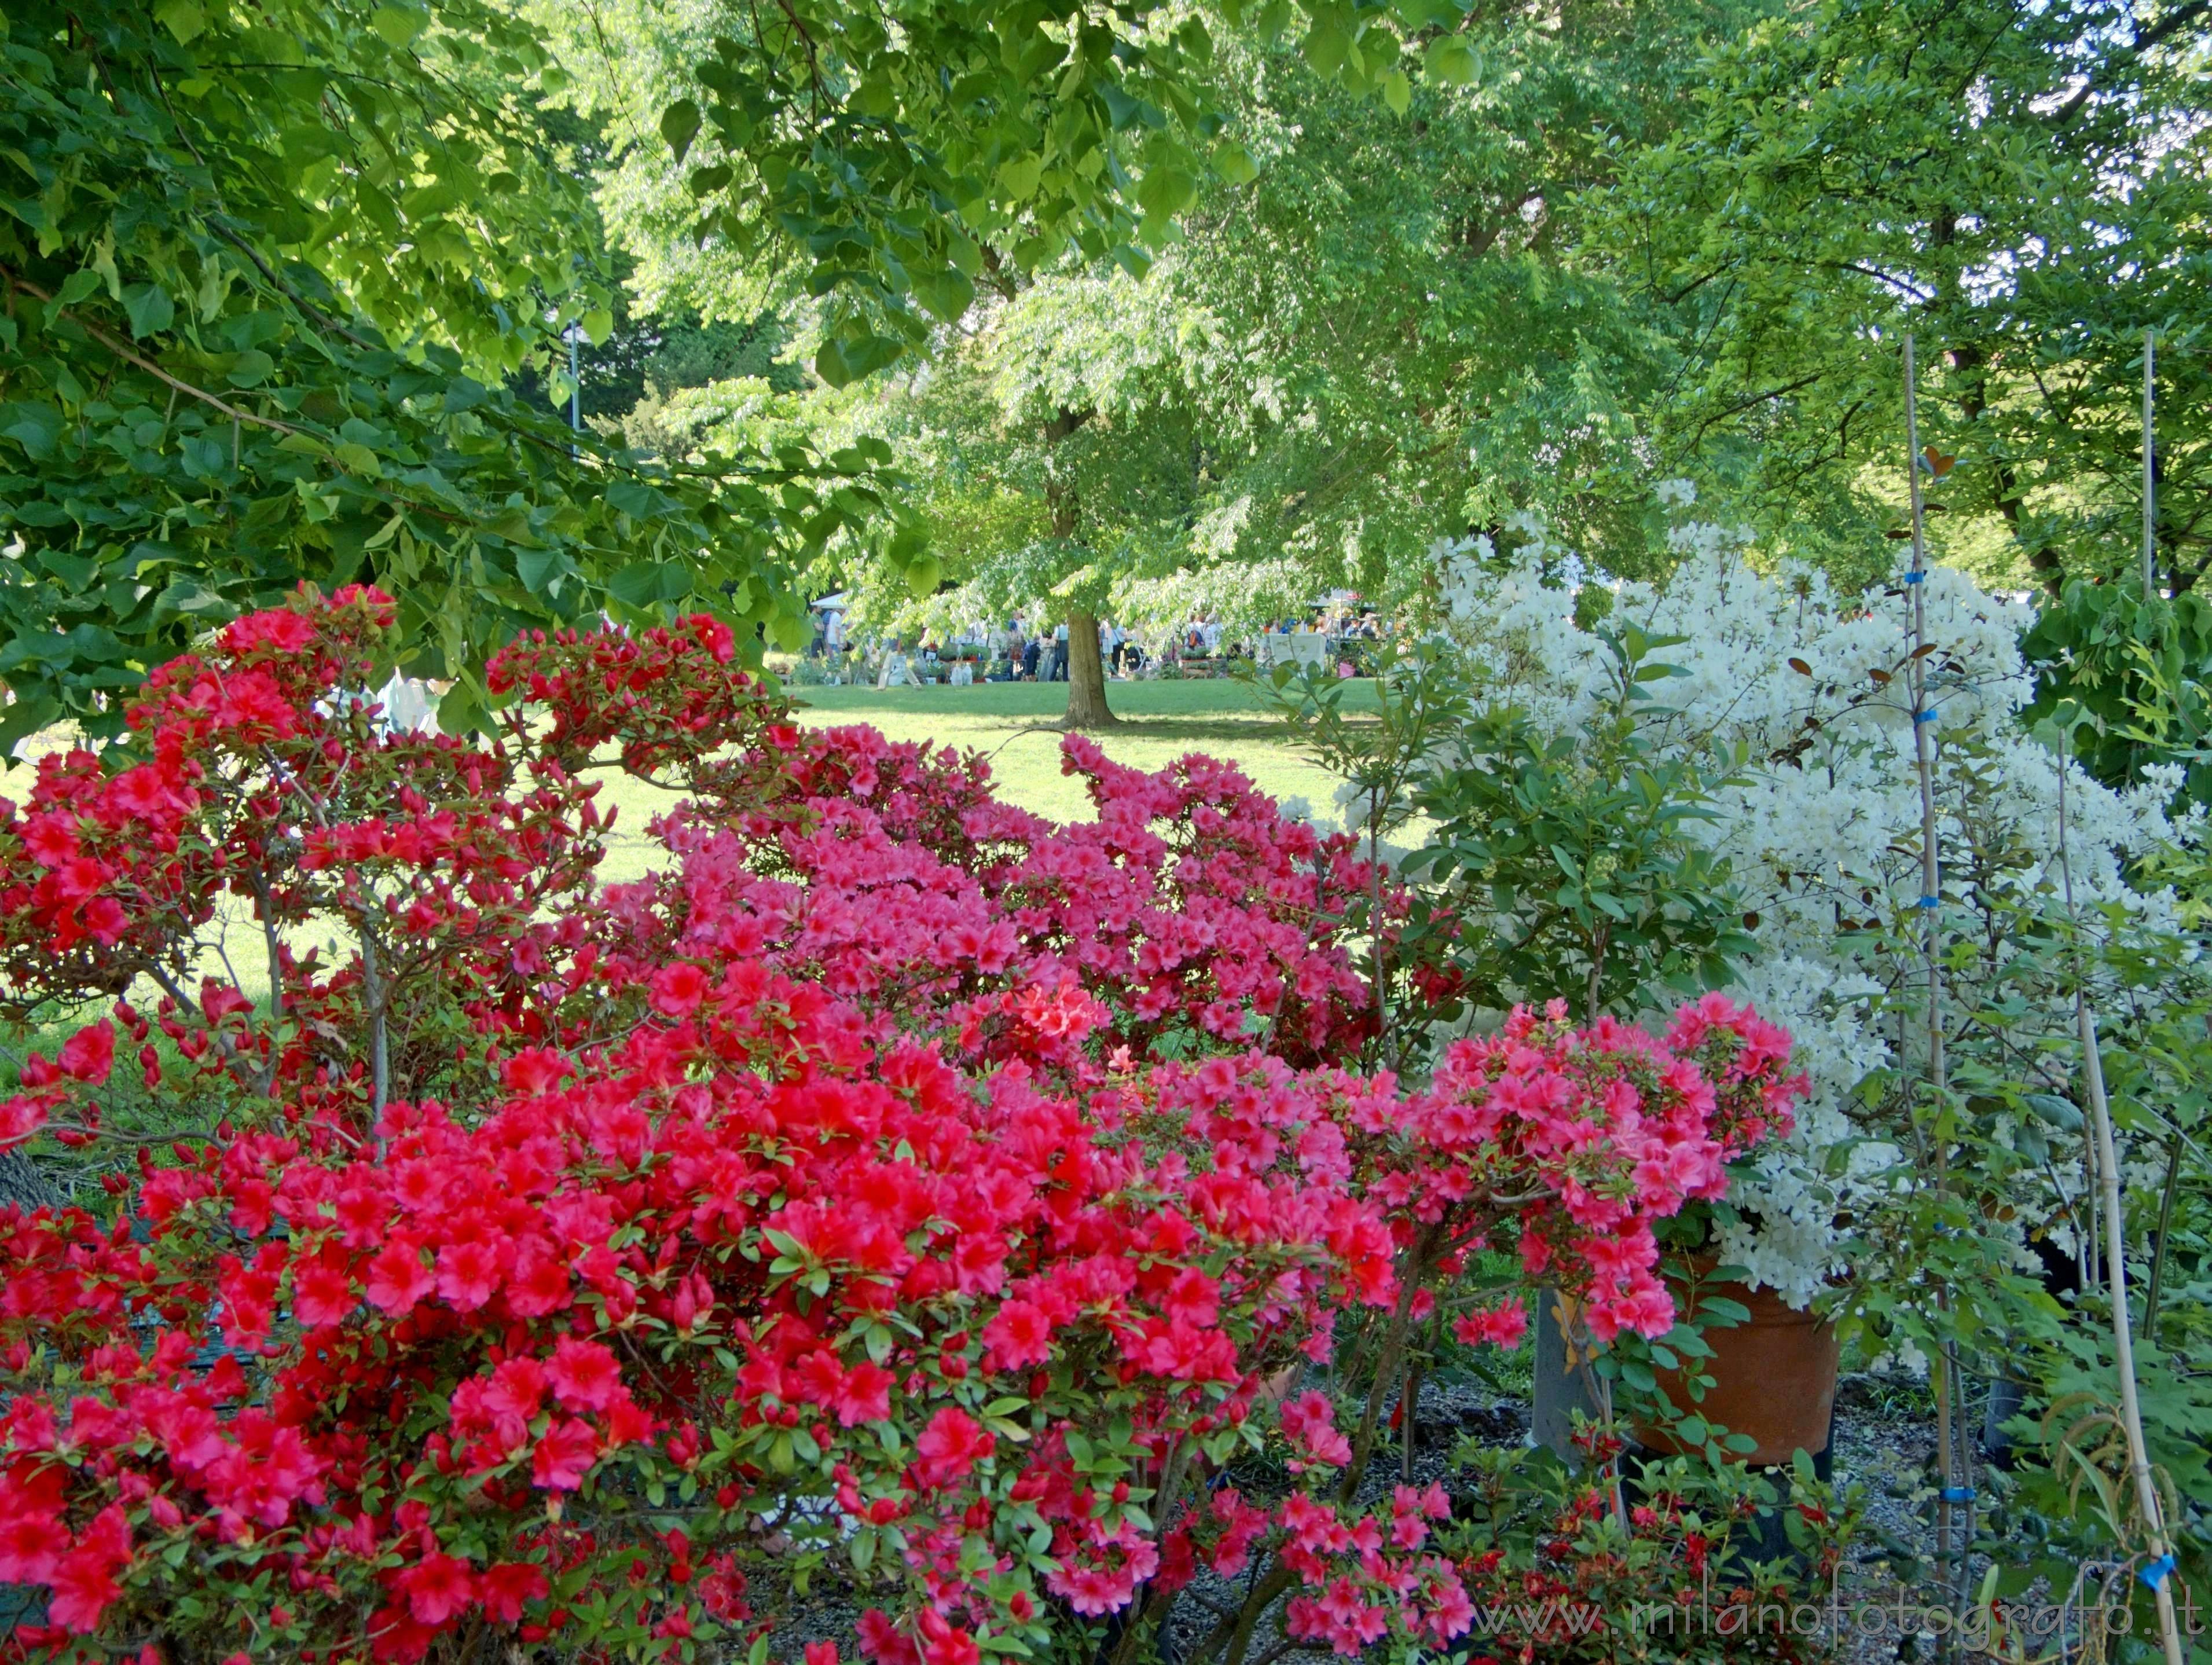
(2116, 1270)
(1923, 738)
(1954, 1524)
(2150, 473)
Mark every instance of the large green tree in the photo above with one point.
(2024, 188)
(1385, 336)
(1368, 328)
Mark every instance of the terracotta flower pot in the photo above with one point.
(1774, 1377)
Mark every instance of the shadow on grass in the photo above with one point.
(1192, 735)
(1134, 702)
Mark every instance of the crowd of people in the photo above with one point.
(1023, 650)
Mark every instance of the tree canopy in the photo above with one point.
(1122, 305)
(1375, 328)
(2023, 187)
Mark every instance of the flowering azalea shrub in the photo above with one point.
(895, 1188)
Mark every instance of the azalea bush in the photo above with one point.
(894, 1188)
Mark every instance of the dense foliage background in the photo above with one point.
(1150, 309)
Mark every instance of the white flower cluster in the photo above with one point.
(1810, 690)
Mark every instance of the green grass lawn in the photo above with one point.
(1010, 723)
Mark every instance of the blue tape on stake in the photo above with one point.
(1931, 901)
(1957, 1494)
(1916, 578)
(2156, 1574)
(1923, 716)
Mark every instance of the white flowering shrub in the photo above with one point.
(1822, 821)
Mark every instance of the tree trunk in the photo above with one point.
(22, 1184)
(1086, 676)
(2008, 498)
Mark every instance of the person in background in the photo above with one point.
(1059, 651)
(1032, 650)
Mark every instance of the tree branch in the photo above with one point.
(129, 356)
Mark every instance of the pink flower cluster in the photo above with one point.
(566, 1250)
(1623, 1128)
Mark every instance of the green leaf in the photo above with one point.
(1420, 16)
(34, 427)
(1165, 192)
(638, 585)
(181, 18)
(78, 571)
(2060, 1112)
(679, 126)
(1233, 162)
(1450, 60)
(831, 365)
(461, 712)
(357, 458)
(149, 308)
(535, 568)
(1122, 110)
(1397, 92)
(1326, 45)
(947, 294)
(398, 25)
(791, 632)
(250, 368)
(75, 286)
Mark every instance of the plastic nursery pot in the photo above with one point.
(1774, 1375)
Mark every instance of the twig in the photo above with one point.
(15, 280)
(1956, 1531)
(240, 1071)
(2173, 1149)
(2116, 1264)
